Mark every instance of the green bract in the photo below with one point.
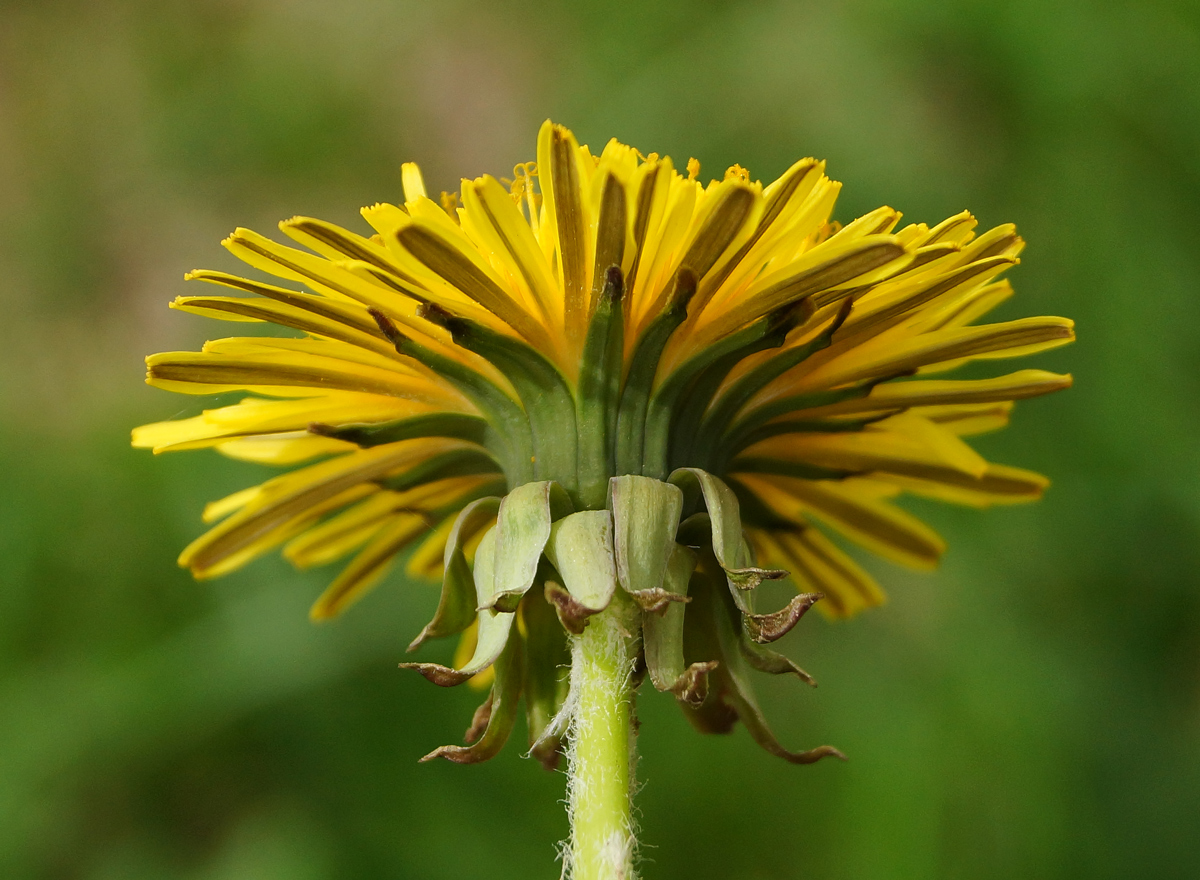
(669, 555)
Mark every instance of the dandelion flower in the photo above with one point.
(604, 401)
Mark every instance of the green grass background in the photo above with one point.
(1032, 710)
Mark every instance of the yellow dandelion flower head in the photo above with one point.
(607, 379)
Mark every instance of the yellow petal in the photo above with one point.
(906, 444)
(827, 266)
(221, 508)
(340, 534)
(281, 449)
(426, 560)
(232, 308)
(268, 538)
(877, 525)
(296, 494)
(889, 395)
(369, 567)
(278, 371)
(967, 420)
(958, 229)
(412, 181)
(875, 359)
(497, 215)
(562, 178)
(999, 485)
(847, 587)
(462, 269)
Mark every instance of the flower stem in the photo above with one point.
(601, 753)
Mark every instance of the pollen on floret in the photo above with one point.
(693, 168)
(737, 172)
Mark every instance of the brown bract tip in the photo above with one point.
(813, 755)
(749, 578)
(692, 685)
(614, 283)
(387, 327)
(442, 676)
(764, 628)
(685, 287)
(571, 613)
(434, 314)
(657, 600)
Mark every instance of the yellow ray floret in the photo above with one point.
(603, 314)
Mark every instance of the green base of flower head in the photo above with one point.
(639, 565)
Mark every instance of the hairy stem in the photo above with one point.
(601, 751)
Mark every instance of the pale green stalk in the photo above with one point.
(601, 751)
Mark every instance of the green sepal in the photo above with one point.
(771, 662)
(643, 365)
(494, 626)
(695, 531)
(455, 463)
(726, 523)
(662, 637)
(522, 529)
(713, 633)
(456, 607)
(547, 665)
(581, 549)
(496, 717)
(645, 515)
(700, 645)
(544, 391)
(680, 427)
(492, 488)
(599, 392)
(733, 554)
(737, 692)
(513, 435)
(459, 426)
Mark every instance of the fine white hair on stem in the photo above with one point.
(600, 754)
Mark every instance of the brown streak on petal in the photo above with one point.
(720, 228)
(834, 272)
(344, 243)
(568, 215)
(443, 259)
(345, 313)
(610, 233)
(641, 218)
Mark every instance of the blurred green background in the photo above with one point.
(1032, 710)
